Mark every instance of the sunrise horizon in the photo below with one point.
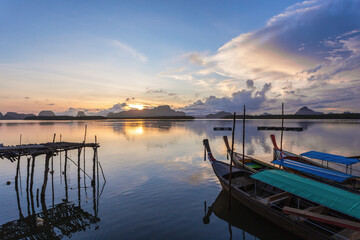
(74, 56)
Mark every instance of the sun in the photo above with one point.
(137, 106)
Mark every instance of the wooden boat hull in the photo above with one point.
(279, 218)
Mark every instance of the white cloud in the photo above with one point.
(126, 48)
(308, 45)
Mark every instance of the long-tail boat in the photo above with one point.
(306, 168)
(304, 165)
(309, 209)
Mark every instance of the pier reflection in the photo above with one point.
(243, 218)
(61, 219)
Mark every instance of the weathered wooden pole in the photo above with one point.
(84, 159)
(17, 172)
(65, 177)
(46, 173)
(52, 175)
(17, 188)
(282, 125)
(79, 193)
(27, 184)
(243, 153)
(231, 159)
(32, 173)
(60, 165)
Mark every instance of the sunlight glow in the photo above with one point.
(137, 106)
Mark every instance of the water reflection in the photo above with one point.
(252, 225)
(61, 219)
(157, 179)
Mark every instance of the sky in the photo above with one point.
(198, 56)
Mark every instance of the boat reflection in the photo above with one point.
(243, 218)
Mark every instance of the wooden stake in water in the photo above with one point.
(231, 159)
(282, 126)
(243, 153)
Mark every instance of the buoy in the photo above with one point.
(8, 182)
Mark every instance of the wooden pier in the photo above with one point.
(14, 152)
(50, 150)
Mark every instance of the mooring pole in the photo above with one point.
(231, 159)
(243, 153)
(282, 125)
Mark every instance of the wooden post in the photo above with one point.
(244, 138)
(32, 173)
(282, 126)
(52, 175)
(17, 188)
(79, 192)
(37, 197)
(31, 184)
(60, 165)
(46, 172)
(27, 184)
(231, 159)
(65, 177)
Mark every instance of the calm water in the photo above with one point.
(158, 185)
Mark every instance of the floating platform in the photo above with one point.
(222, 128)
(296, 129)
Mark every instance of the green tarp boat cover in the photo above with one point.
(321, 193)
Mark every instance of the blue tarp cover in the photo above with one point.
(317, 171)
(330, 157)
(318, 192)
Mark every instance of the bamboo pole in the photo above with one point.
(282, 125)
(231, 159)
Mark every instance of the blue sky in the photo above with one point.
(197, 56)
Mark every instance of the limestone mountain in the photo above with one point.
(307, 111)
(46, 113)
(160, 111)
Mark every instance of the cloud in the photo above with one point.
(126, 48)
(253, 100)
(26, 98)
(152, 91)
(310, 42)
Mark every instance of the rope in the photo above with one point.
(79, 167)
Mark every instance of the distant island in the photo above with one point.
(165, 112)
(160, 111)
(303, 113)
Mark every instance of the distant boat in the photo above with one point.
(304, 207)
